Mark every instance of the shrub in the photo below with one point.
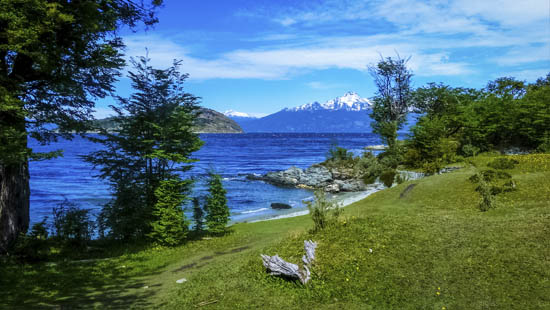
(503, 163)
(388, 177)
(337, 153)
(35, 245)
(470, 150)
(322, 211)
(491, 183)
(216, 205)
(169, 226)
(487, 196)
(72, 224)
(370, 168)
(490, 175)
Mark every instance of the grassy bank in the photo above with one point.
(427, 247)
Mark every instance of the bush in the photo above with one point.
(337, 153)
(322, 211)
(470, 150)
(503, 163)
(35, 245)
(169, 226)
(216, 205)
(388, 177)
(72, 224)
(491, 183)
(487, 196)
(490, 175)
(370, 168)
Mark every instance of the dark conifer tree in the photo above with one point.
(152, 144)
(216, 205)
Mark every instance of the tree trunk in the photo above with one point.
(14, 203)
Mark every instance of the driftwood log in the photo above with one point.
(279, 267)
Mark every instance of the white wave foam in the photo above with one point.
(254, 211)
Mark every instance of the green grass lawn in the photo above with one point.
(431, 249)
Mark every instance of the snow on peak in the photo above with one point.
(350, 101)
(231, 113)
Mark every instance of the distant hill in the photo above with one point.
(208, 121)
(349, 113)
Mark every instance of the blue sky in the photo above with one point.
(260, 56)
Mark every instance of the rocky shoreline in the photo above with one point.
(314, 177)
(330, 180)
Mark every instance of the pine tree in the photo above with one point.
(216, 205)
(169, 226)
(153, 144)
(198, 214)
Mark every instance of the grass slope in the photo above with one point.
(431, 249)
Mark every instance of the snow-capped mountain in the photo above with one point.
(231, 113)
(349, 113)
(351, 101)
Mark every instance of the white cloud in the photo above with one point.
(282, 63)
(518, 56)
(529, 75)
(428, 31)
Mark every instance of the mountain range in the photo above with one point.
(349, 113)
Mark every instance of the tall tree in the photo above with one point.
(152, 145)
(393, 98)
(56, 57)
(217, 211)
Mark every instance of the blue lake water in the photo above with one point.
(231, 155)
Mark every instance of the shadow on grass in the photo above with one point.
(100, 283)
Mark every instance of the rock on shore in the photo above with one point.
(316, 176)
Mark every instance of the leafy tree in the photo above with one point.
(216, 205)
(198, 214)
(56, 57)
(152, 145)
(393, 98)
(72, 224)
(169, 226)
(533, 117)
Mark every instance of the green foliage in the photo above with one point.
(56, 58)
(322, 212)
(503, 163)
(487, 197)
(153, 144)
(34, 246)
(388, 177)
(72, 224)
(544, 146)
(169, 226)
(493, 182)
(216, 207)
(470, 150)
(198, 215)
(370, 168)
(393, 97)
(337, 154)
(506, 113)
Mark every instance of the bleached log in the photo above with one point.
(309, 247)
(278, 266)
